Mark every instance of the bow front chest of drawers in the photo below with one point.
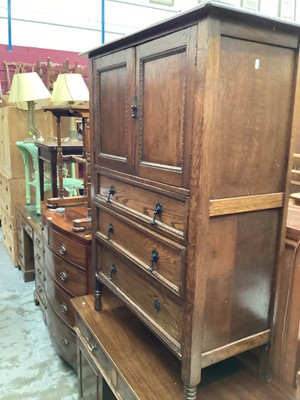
(68, 275)
(192, 121)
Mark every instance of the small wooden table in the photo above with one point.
(47, 151)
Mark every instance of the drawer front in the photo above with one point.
(60, 302)
(10, 243)
(9, 223)
(38, 241)
(40, 287)
(156, 306)
(94, 349)
(70, 278)
(160, 257)
(38, 259)
(63, 339)
(142, 202)
(13, 192)
(39, 271)
(67, 248)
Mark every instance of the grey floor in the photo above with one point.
(29, 367)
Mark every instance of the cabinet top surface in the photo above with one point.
(190, 17)
(64, 220)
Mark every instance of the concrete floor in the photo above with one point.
(29, 367)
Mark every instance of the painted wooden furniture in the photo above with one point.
(13, 128)
(12, 185)
(192, 125)
(136, 365)
(47, 151)
(68, 275)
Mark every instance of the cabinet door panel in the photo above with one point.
(113, 84)
(164, 83)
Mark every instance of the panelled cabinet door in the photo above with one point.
(164, 86)
(113, 89)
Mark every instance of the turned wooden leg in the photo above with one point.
(190, 393)
(98, 295)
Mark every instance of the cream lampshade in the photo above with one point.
(28, 92)
(69, 89)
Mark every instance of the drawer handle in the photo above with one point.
(111, 192)
(40, 289)
(63, 276)
(64, 308)
(109, 231)
(38, 241)
(65, 341)
(157, 305)
(38, 257)
(62, 249)
(154, 258)
(113, 270)
(158, 210)
(92, 346)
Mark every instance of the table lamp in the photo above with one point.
(70, 90)
(28, 92)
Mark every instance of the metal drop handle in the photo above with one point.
(158, 210)
(154, 259)
(110, 230)
(111, 192)
(113, 270)
(157, 305)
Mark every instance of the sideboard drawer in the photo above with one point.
(162, 258)
(63, 339)
(141, 201)
(157, 307)
(71, 279)
(60, 302)
(67, 248)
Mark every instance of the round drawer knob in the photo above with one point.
(63, 276)
(62, 249)
(64, 308)
(65, 341)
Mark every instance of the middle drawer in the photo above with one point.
(161, 257)
(69, 277)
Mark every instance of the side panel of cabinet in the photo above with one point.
(113, 89)
(252, 127)
(165, 81)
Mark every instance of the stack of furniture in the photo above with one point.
(13, 128)
(192, 125)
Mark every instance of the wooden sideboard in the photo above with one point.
(192, 121)
(68, 274)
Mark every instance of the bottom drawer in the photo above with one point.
(63, 339)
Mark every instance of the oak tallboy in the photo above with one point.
(192, 123)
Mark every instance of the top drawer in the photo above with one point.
(67, 248)
(162, 210)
